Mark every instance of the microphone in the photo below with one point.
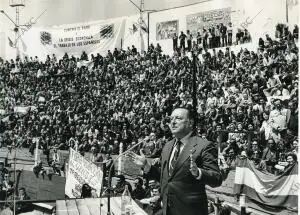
(110, 173)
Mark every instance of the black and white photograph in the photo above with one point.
(165, 30)
(207, 19)
(149, 107)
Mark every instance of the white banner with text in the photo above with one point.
(81, 171)
(91, 37)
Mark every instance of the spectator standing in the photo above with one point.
(210, 38)
(205, 38)
(279, 117)
(218, 37)
(189, 40)
(229, 33)
(239, 36)
(175, 42)
(199, 38)
(182, 38)
(296, 33)
(223, 30)
(56, 161)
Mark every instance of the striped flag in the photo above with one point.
(134, 28)
(88, 64)
(265, 188)
(10, 42)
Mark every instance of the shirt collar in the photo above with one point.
(185, 139)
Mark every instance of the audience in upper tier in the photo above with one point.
(215, 36)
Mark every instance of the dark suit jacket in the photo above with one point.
(181, 192)
(23, 207)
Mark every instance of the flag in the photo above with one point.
(265, 188)
(144, 28)
(134, 28)
(21, 109)
(11, 44)
(23, 45)
(83, 63)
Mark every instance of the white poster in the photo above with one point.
(81, 171)
(91, 37)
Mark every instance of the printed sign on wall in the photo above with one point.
(166, 30)
(196, 22)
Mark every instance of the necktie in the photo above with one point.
(173, 160)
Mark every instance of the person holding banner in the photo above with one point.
(86, 191)
(188, 163)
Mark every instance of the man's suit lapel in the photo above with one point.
(188, 149)
(167, 153)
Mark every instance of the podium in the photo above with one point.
(91, 206)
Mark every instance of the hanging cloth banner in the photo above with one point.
(270, 190)
(81, 171)
(91, 37)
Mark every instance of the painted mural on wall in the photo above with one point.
(196, 22)
(166, 30)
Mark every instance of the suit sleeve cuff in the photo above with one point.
(200, 174)
(147, 167)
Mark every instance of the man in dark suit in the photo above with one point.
(175, 42)
(188, 163)
(120, 186)
(182, 37)
(23, 207)
(223, 31)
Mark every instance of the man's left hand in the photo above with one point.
(193, 167)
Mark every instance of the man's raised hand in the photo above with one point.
(137, 159)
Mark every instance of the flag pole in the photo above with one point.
(194, 92)
(15, 178)
(120, 160)
(36, 152)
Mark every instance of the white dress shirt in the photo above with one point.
(184, 141)
(56, 157)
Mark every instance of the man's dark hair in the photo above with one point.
(86, 191)
(121, 177)
(22, 188)
(293, 156)
(224, 210)
(190, 114)
(140, 180)
(156, 186)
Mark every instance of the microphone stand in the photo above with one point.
(110, 174)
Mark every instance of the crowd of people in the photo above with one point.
(216, 36)
(247, 101)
